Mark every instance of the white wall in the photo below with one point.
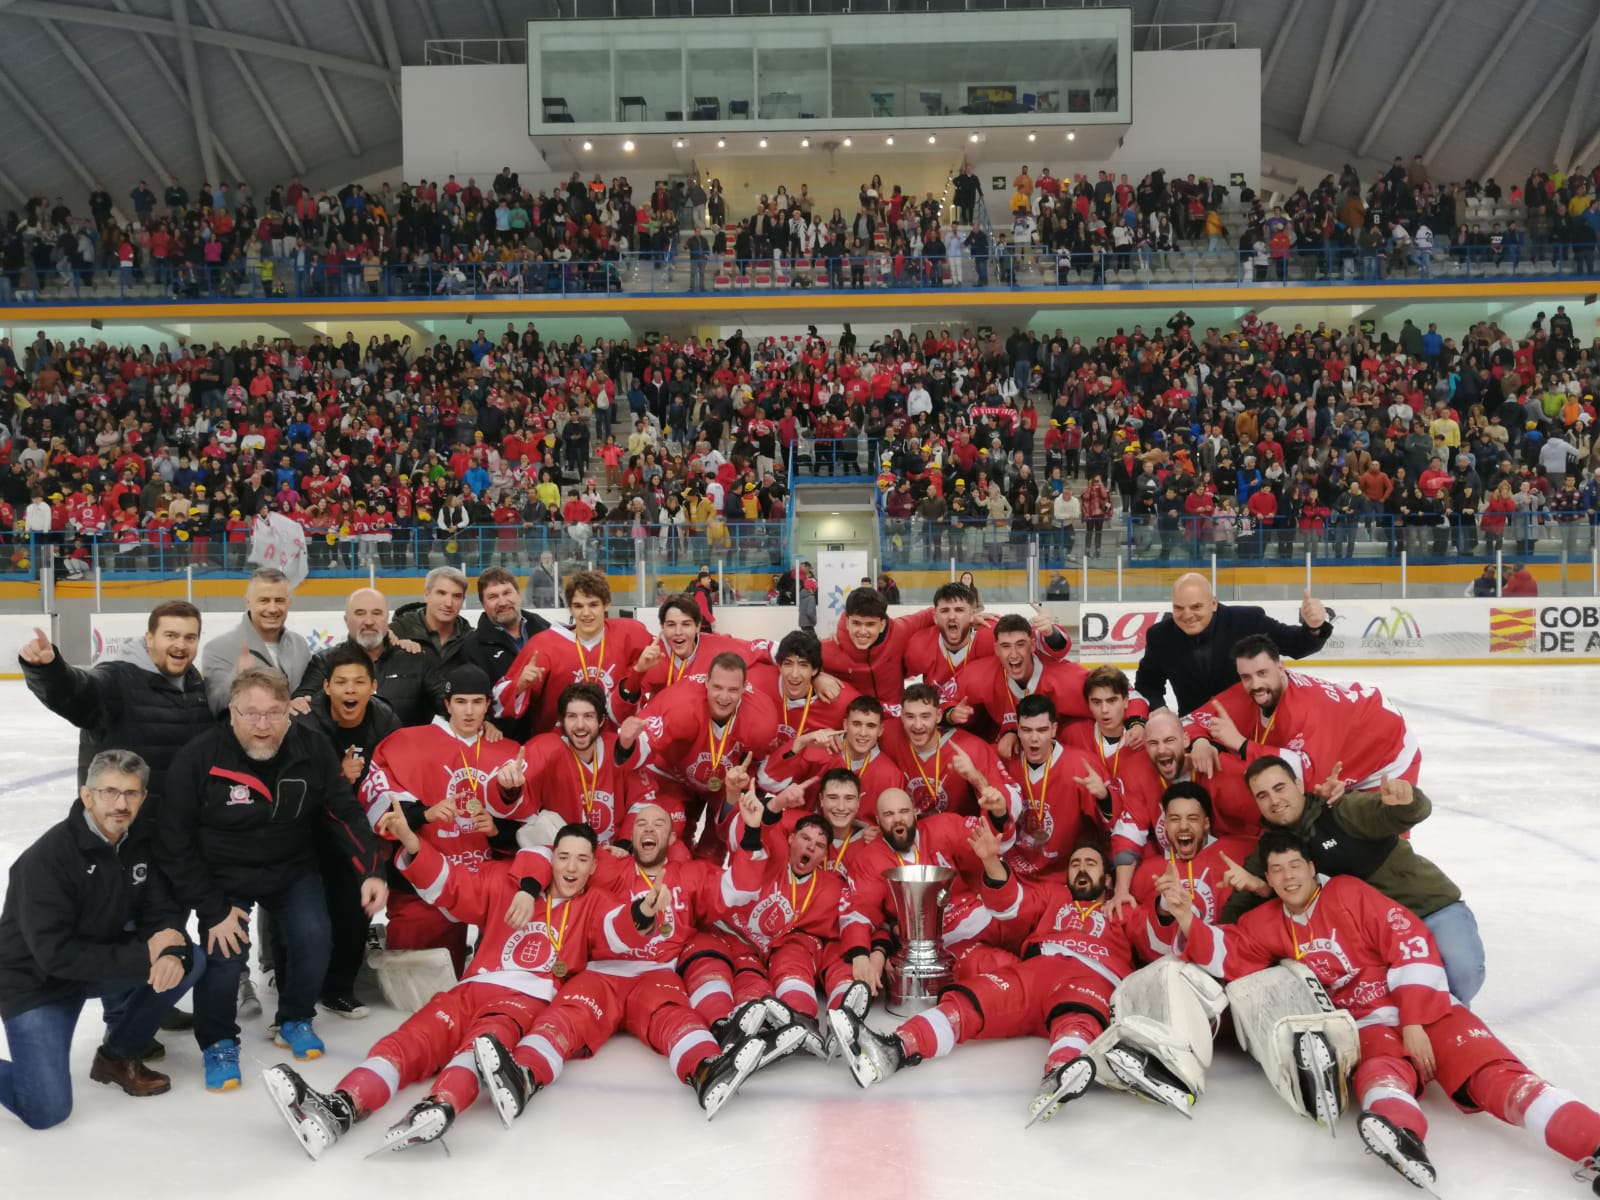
(468, 121)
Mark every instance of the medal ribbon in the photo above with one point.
(599, 657)
(804, 712)
(719, 751)
(1044, 787)
(590, 785)
(933, 785)
(839, 858)
(556, 937)
(672, 677)
(1299, 950)
(1260, 738)
(798, 909)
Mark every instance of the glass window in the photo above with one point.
(794, 83)
(720, 78)
(575, 86)
(649, 84)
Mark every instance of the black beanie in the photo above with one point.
(466, 680)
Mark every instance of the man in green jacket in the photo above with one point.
(1359, 833)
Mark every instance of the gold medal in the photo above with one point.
(560, 969)
(474, 807)
(714, 784)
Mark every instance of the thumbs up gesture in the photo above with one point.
(1312, 611)
(38, 652)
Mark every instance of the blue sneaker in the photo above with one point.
(299, 1039)
(222, 1065)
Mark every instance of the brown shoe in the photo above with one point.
(129, 1074)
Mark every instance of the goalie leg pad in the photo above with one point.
(1272, 1009)
(1169, 1010)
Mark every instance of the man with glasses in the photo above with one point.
(86, 915)
(238, 827)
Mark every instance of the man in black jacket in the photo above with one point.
(400, 666)
(503, 629)
(437, 626)
(150, 699)
(238, 826)
(1193, 647)
(354, 719)
(88, 914)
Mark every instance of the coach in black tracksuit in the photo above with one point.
(238, 826)
(1192, 647)
(87, 914)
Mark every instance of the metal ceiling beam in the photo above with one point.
(1590, 149)
(1322, 78)
(26, 107)
(1475, 78)
(496, 26)
(365, 30)
(1152, 38)
(159, 62)
(247, 76)
(1532, 112)
(430, 23)
(52, 10)
(1349, 44)
(107, 100)
(335, 109)
(17, 194)
(1280, 41)
(1579, 100)
(1395, 90)
(197, 93)
(391, 44)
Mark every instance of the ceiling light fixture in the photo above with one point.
(1071, 136)
(847, 141)
(805, 143)
(678, 144)
(722, 143)
(972, 137)
(932, 139)
(1033, 137)
(588, 145)
(762, 143)
(889, 141)
(627, 146)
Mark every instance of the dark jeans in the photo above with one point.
(301, 940)
(348, 922)
(36, 1083)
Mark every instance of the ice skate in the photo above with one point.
(317, 1120)
(717, 1079)
(1059, 1085)
(780, 1016)
(426, 1122)
(870, 1055)
(1400, 1148)
(1150, 1079)
(742, 1022)
(1320, 1080)
(510, 1084)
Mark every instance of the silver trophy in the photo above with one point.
(921, 967)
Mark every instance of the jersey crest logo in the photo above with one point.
(238, 794)
(529, 949)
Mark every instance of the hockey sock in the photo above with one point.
(686, 1054)
(1511, 1092)
(541, 1058)
(1070, 1034)
(371, 1085)
(1386, 1090)
(706, 979)
(457, 1084)
(935, 1032)
(798, 994)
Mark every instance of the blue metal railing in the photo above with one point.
(978, 541)
(680, 272)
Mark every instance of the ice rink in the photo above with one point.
(1516, 822)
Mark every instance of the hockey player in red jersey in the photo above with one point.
(683, 651)
(689, 736)
(1071, 963)
(1233, 808)
(1378, 961)
(528, 946)
(570, 774)
(1056, 798)
(1309, 722)
(1195, 861)
(805, 696)
(945, 769)
(1016, 670)
(635, 987)
(934, 839)
(446, 777)
(868, 650)
(759, 961)
(595, 648)
(816, 752)
(944, 653)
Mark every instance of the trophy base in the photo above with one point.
(911, 990)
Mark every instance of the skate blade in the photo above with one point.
(1315, 1057)
(1380, 1143)
(313, 1138)
(487, 1060)
(785, 1042)
(399, 1144)
(844, 1035)
(1148, 1089)
(1072, 1085)
(746, 1060)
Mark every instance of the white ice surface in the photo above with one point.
(1516, 822)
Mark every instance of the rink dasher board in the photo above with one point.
(1422, 632)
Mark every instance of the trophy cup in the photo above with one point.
(920, 968)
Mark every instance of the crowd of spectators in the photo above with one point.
(451, 236)
(1256, 440)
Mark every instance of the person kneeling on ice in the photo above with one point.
(1380, 963)
(531, 940)
(1072, 963)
